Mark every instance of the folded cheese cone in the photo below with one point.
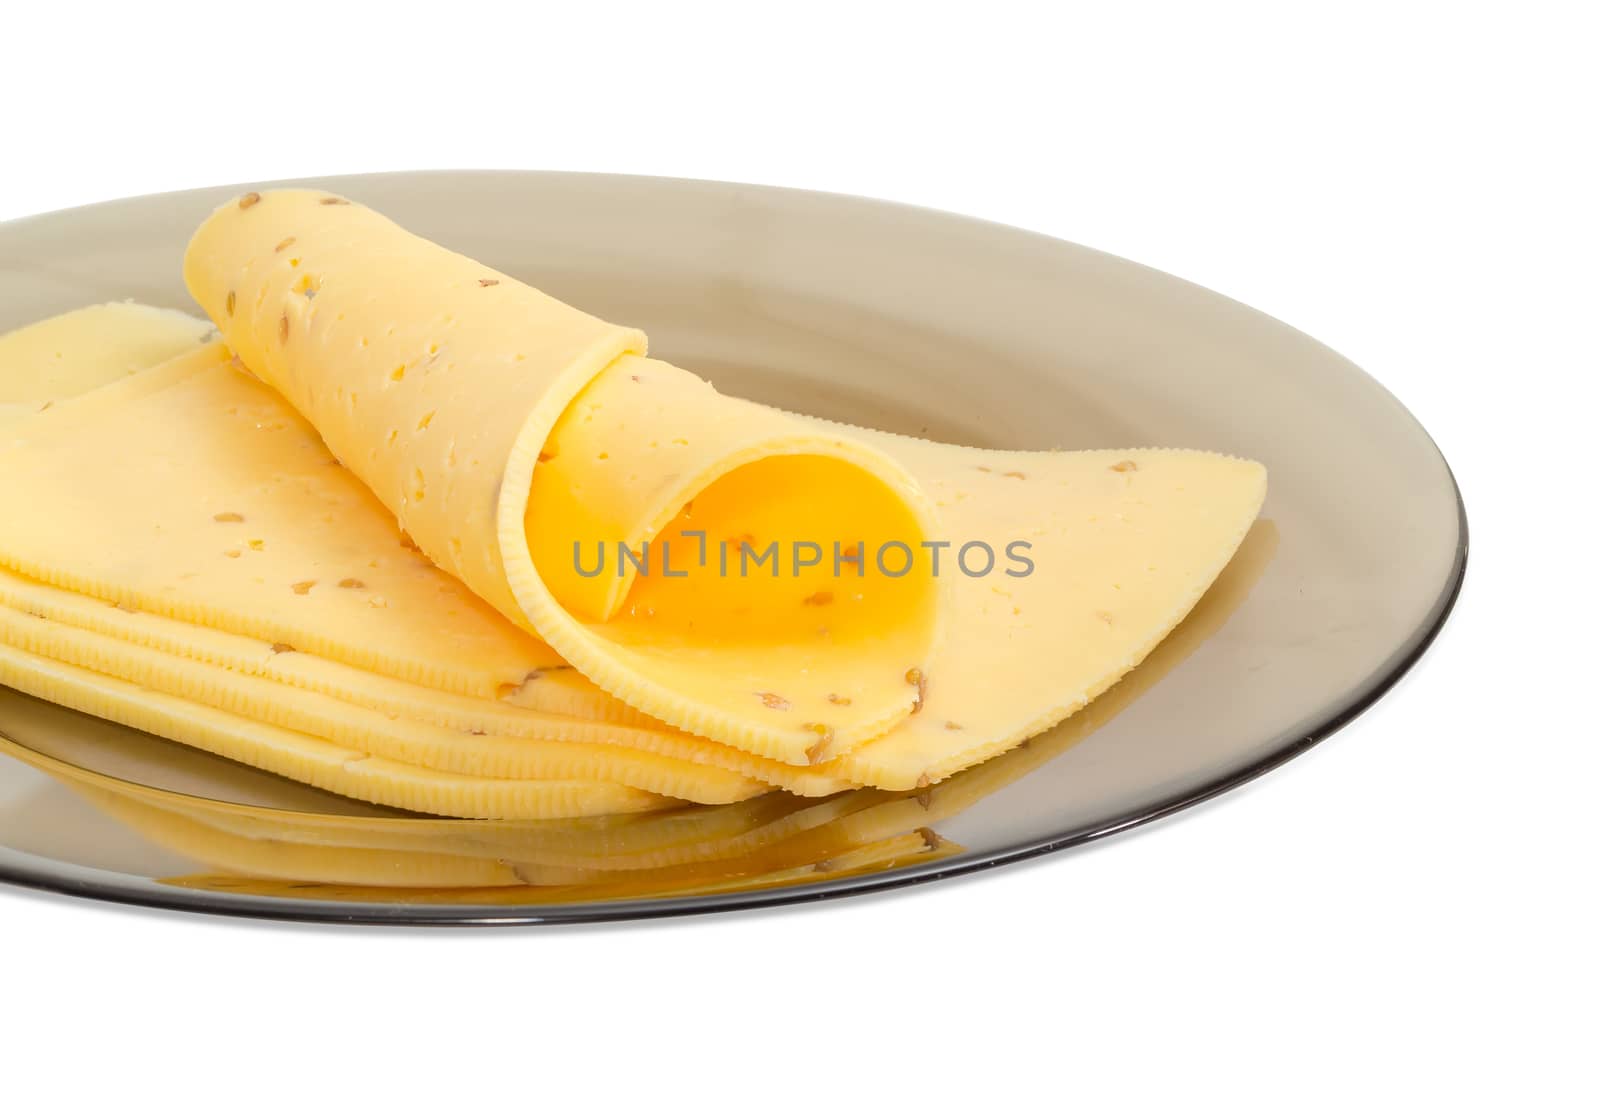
(520, 442)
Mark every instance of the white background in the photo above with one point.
(1401, 917)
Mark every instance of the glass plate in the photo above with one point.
(873, 313)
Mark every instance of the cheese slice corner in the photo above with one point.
(77, 351)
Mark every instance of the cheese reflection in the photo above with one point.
(774, 840)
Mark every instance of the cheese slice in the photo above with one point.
(77, 351)
(447, 387)
(195, 492)
(81, 350)
(1121, 544)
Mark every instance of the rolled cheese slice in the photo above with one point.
(531, 451)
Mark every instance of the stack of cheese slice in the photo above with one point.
(349, 546)
(284, 843)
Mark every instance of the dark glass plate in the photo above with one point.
(901, 318)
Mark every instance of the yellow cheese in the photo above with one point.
(761, 842)
(55, 618)
(195, 492)
(397, 739)
(309, 759)
(444, 384)
(1178, 512)
(266, 582)
(249, 559)
(732, 480)
(1122, 545)
(641, 437)
(81, 350)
